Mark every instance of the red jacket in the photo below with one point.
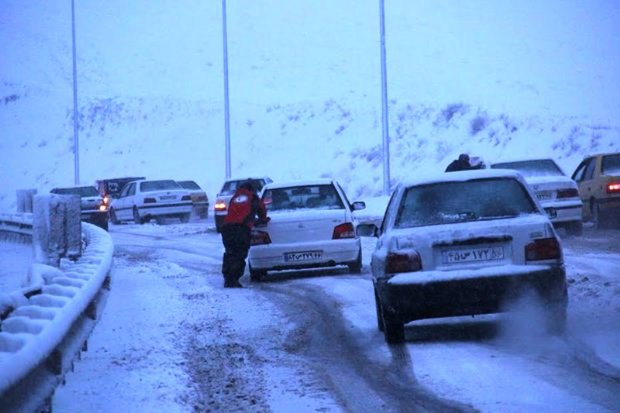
(243, 208)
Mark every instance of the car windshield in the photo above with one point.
(149, 186)
(82, 191)
(303, 197)
(189, 184)
(452, 202)
(611, 165)
(542, 167)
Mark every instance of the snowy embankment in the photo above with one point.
(39, 338)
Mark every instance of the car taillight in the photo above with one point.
(543, 249)
(568, 193)
(260, 238)
(219, 206)
(186, 198)
(149, 200)
(201, 198)
(396, 262)
(103, 207)
(343, 231)
(106, 200)
(613, 187)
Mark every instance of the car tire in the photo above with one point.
(575, 228)
(379, 312)
(597, 218)
(136, 217)
(257, 275)
(393, 329)
(184, 218)
(355, 267)
(104, 225)
(113, 217)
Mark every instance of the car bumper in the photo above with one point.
(165, 210)
(97, 217)
(335, 252)
(564, 212)
(459, 293)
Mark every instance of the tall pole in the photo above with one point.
(76, 139)
(384, 105)
(226, 104)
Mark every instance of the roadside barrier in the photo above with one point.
(44, 327)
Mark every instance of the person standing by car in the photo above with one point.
(244, 208)
(461, 164)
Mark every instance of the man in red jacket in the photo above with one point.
(243, 208)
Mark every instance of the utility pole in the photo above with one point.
(226, 103)
(76, 139)
(384, 105)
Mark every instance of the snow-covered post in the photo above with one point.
(56, 228)
(24, 199)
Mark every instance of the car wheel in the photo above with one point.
(393, 329)
(597, 218)
(379, 312)
(184, 218)
(356, 266)
(575, 228)
(113, 217)
(104, 225)
(257, 275)
(136, 217)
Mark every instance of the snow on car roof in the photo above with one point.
(320, 181)
(439, 177)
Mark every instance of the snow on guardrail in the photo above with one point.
(40, 337)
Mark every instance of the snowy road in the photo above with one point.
(172, 339)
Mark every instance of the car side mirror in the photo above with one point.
(358, 205)
(367, 230)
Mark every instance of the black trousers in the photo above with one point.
(236, 239)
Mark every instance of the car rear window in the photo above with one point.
(303, 197)
(452, 202)
(611, 165)
(189, 184)
(149, 186)
(542, 167)
(82, 191)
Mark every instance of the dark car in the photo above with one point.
(93, 207)
(463, 244)
(200, 200)
(111, 188)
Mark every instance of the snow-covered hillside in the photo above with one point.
(521, 79)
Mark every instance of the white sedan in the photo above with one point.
(464, 243)
(557, 193)
(145, 199)
(311, 226)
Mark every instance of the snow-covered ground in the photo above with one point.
(173, 339)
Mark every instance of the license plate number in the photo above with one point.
(302, 256)
(543, 195)
(167, 197)
(473, 255)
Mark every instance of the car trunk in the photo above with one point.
(476, 244)
(306, 225)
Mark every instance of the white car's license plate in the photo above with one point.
(167, 197)
(472, 255)
(302, 256)
(544, 195)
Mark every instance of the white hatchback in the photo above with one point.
(311, 225)
(145, 199)
(557, 193)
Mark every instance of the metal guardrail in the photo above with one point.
(47, 328)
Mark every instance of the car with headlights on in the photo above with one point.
(461, 244)
(93, 208)
(220, 208)
(598, 177)
(557, 193)
(200, 200)
(143, 200)
(311, 225)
